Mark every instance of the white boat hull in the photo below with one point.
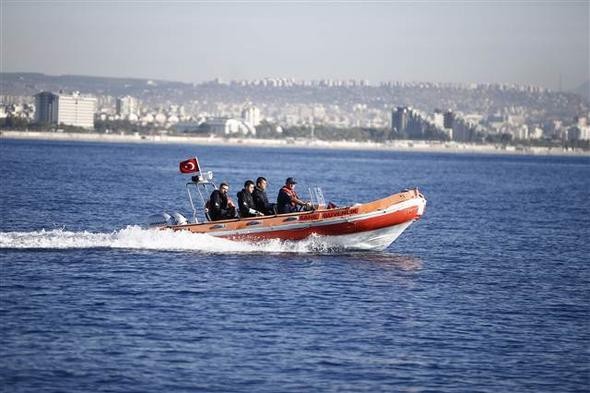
(376, 240)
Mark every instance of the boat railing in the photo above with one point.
(202, 186)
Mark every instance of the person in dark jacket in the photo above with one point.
(288, 201)
(261, 200)
(246, 202)
(220, 206)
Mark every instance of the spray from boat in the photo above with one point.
(138, 238)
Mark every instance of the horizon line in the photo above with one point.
(370, 83)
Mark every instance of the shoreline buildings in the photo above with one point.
(67, 109)
(478, 113)
(127, 107)
(251, 116)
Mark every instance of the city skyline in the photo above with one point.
(544, 43)
(345, 110)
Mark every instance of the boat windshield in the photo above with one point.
(316, 197)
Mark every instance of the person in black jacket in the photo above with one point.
(261, 200)
(220, 206)
(246, 202)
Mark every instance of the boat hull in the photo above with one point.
(376, 240)
(371, 226)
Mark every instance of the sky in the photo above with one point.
(532, 42)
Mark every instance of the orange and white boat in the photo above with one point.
(368, 226)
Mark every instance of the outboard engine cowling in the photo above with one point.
(158, 220)
(179, 219)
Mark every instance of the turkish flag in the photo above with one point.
(190, 166)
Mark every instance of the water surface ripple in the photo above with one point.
(489, 292)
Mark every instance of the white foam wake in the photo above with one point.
(134, 237)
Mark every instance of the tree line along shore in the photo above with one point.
(393, 145)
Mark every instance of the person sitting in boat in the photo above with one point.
(246, 202)
(220, 206)
(288, 201)
(261, 200)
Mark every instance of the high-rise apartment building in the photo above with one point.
(449, 118)
(251, 116)
(46, 108)
(68, 109)
(127, 106)
(399, 119)
(408, 122)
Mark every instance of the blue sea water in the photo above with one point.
(488, 292)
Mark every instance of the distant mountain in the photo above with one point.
(583, 90)
(22, 83)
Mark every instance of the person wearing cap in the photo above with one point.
(288, 201)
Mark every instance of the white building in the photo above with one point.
(521, 133)
(438, 119)
(227, 126)
(535, 133)
(160, 118)
(147, 118)
(67, 109)
(251, 116)
(127, 106)
(580, 131)
(584, 128)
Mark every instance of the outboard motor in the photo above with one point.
(179, 219)
(158, 220)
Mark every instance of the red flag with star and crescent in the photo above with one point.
(190, 165)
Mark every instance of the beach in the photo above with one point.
(394, 145)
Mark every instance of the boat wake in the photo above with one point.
(135, 237)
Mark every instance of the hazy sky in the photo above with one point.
(450, 41)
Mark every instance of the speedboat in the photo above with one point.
(367, 226)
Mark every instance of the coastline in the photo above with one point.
(396, 145)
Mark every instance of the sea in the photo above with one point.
(488, 292)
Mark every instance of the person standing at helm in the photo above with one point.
(288, 201)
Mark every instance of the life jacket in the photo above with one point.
(292, 194)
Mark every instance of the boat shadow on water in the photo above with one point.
(386, 260)
(371, 259)
(383, 260)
